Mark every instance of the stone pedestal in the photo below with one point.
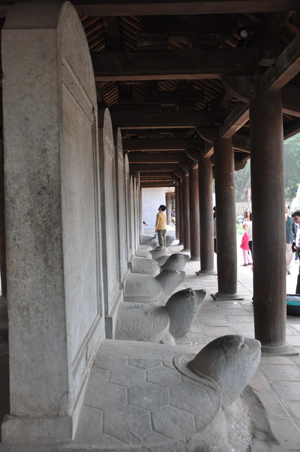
(52, 217)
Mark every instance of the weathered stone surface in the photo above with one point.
(143, 289)
(158, 252)
(161, 260)
(145, 266)
(149, 240)
(183, 307)
(52, 217)
(146, 289)
(141, 322)
(231, 361)
(169, 280)
(176, 261)
(169, 240)
(140, 252)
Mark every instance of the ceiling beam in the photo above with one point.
(166, 65)
(142, 167)
(144, 157)
(157, 184)
(286, 67)
(140, 119)
(179, 7)
(235, 120)
(162, 144)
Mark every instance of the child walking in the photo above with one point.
(245, 247)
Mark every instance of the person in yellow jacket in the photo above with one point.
(161, 225)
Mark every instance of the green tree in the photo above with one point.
(292, 165)
(242, 183)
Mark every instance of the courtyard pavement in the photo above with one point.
(277, 381)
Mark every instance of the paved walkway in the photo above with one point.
(277, 382)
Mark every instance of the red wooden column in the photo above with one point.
(226, 225)
(186, 211)
(177, 209)
(194, 214)
(2, 225)
(168, 205)
(269, 264)
(206, 216)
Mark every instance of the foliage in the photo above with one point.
(292, 165)
(242, 183)
(239, 229)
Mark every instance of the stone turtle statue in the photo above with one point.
(222, 370)
(231, 361)
(176, 261)
(183, 307)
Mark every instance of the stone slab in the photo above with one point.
(145, 266)
(141, 322)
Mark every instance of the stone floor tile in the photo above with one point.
(294, 408)
(272, 404)
(287, 391)
(279, 372)
(215, 322)
(258, 383)
(269, 359)
(240, 318)
(233, 312)
(286, 432)
(221, 331)
(293, 340)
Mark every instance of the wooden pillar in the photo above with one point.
(269, 261)
(177, 227)
(206, 216)
(180, 215)
(186, 211)
(226, 225)
(2, 225)
(168, 205)
(194, 214)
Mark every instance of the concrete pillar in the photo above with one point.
(226, 219)
(206, 216)
(269, 261)
(168, 205)
(179, 217)
(194, 214)
(186, 211)
(177, 226)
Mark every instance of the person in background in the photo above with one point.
(296, 218)
(161, 225)
(248, 229)
(245, 247)
(215, 228)
(291, 232)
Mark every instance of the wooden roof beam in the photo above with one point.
(141, 119)
(166, 65)
(162, 144)
(179, 7)
(143, 157)
(286, 67)
(159, 167)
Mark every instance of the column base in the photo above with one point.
(224, 296)
(206, 272)
(195, 259)
(279, 350)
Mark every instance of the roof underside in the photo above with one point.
(177, 74)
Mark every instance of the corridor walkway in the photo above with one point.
(277, 382)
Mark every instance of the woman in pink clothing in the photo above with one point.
(245, 247)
